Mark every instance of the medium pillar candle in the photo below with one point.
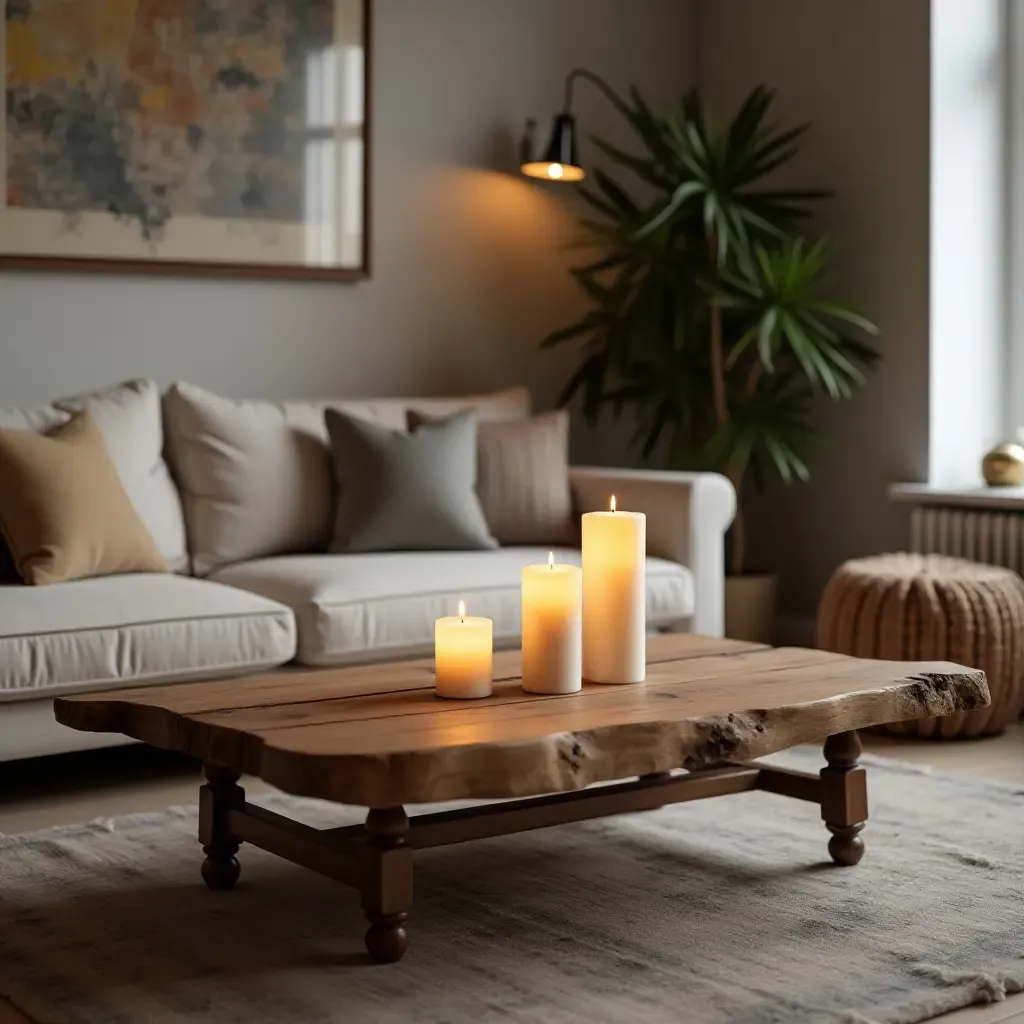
(614, 597)
(463, 656)
(552, 597)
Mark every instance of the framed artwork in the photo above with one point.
(204, 137)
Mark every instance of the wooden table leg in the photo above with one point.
(844, 798)
(220, 794)
(387, 883)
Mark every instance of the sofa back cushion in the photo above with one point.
(256, 477)
(129, 417)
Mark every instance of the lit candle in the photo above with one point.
(552, 628)
(463, 656)
(614, 614)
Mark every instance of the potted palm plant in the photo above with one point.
(706, 318)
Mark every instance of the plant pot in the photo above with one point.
(750, 606)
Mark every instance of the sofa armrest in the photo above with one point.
(687, 518)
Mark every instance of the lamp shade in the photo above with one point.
(560, 161)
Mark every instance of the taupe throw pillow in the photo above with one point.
(64, 512)
(399, 491)
(523, 478)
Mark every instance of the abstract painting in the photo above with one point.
(186, 136)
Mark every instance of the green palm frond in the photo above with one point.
(687, 228)
(777, 291)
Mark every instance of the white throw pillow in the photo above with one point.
(129, 416)
(256, 476)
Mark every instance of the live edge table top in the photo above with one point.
(377, 735)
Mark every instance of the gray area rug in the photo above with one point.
(719, 911)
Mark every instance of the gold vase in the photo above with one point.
(1004, 466)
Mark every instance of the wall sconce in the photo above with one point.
(560, 160)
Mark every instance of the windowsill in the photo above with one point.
(1011, 498)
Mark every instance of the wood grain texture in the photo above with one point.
(377, 736)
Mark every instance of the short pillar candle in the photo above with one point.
(614, 596)
(463, 656)
(552, 597)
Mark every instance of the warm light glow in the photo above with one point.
(553, 172)
(612, 503)
(551, 559)
(462, 609)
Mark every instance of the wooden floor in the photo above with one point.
(62, 790)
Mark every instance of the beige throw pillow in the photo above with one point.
(523, 477)
(131, 419)
(63, 509)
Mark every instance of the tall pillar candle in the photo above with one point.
(463, 656)
(552, 597)
(614, 597)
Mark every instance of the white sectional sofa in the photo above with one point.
(238, 497)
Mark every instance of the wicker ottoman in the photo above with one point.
(906, 607)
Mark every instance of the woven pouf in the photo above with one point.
(905, 607)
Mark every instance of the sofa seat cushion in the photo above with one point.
(129, 630)
(365, 607)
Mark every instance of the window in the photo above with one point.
(969, 408)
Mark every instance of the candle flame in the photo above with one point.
(612, 504)
(462, 609)
(551, 559)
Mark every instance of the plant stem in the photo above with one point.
(718, 368)
(737, 535)
(737, 541)
(717, 350)
(754, 376)
(738, 532)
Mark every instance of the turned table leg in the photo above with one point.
(387, 883)
(844, 798)
(220, 794)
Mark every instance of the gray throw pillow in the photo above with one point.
(402, 492)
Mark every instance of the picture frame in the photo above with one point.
(205, 139)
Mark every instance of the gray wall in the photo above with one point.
(468, 273)
(860, 72)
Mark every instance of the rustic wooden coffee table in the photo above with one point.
(376, 736)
